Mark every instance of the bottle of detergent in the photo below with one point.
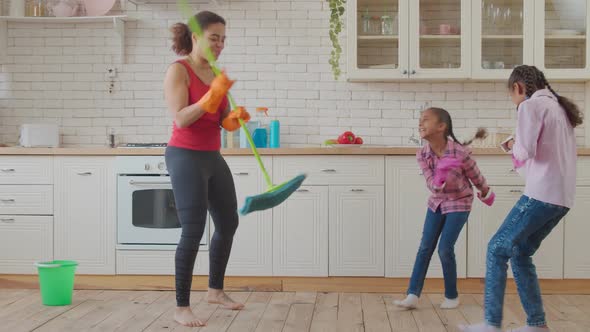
(275, 134)
(260, 134)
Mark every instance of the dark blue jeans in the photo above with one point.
(447, 227)
(519, 237)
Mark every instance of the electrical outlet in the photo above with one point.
(112, 72)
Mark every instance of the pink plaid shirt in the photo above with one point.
(457, 193)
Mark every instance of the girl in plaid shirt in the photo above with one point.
(450, 173)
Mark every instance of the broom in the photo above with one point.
(275, 194)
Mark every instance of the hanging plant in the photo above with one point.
(336, 13)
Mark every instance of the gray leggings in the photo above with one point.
(201, 181)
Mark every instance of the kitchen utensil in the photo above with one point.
(64, 8)
(444, 29)
(98, 7)
(17, 8)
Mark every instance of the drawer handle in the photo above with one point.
(84, 173)
(7, 220)
(516, 191)
(328, 170)
(7, 200)
(8, 170)
(302, 190)
(241, 173)
(512, 170)
(357, 190)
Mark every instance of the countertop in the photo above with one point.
(363, 151)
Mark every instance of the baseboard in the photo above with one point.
(290, 284)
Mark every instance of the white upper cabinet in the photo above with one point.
(561, 42)
(466, 39)
(503, 37)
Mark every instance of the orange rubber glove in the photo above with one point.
(231, 122)
(212, 99)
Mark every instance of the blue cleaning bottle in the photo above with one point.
(275, 134)
(260, 134)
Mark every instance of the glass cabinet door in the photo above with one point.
(563, 44)
(377, 38)
(503, 37)
(439, 38)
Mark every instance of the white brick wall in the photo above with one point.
(277, 50)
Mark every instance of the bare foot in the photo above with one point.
(218, 296)
(184, 316)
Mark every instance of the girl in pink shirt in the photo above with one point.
(544, 151)
(450, 173)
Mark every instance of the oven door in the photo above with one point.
(147, 212)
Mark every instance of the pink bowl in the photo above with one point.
(98, 7)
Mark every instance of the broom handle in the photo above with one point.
(194, 25)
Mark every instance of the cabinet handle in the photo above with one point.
(7, 200)
(357, 190)
(512, 170)
(516, 191)
(302, 190)
(84, 173)
(148, 183)
(241, 173)
(8, 170)
(405, 72)
(413, 72)
(7, 220)
(329, 170)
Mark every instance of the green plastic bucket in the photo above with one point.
(56, 280)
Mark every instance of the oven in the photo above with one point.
(146, 211)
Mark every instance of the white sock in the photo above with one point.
(482, 327)
(531, 329)
(409, 302)
(450, 304)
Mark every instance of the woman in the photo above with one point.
(201, 179)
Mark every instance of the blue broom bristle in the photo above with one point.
(271, 199)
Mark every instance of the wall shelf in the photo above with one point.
(118, 22)
(377, 37)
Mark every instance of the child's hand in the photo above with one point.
(487, 198)
(442, 170)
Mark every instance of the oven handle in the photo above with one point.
(148, 183)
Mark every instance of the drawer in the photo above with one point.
(26, 199)
(28, 239)
(331, 170)
(155, 262)
(498, 170)
(26, 170)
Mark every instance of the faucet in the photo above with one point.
(416, 140)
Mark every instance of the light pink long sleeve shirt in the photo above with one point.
(545, 142)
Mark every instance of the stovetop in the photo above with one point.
(143, 145)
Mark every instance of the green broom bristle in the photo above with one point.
(272, 198)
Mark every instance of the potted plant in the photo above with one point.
(336, 13)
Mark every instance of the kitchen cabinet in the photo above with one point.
(405, 212)
(561, 45)
(429, 40)
(300, 234)
(25, 240)
(355, 235)
(85, 213)
(356, 227)
(26, 212)
(503, 37)
(461, 39)
(253, 242)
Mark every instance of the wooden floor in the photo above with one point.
(94, 310)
